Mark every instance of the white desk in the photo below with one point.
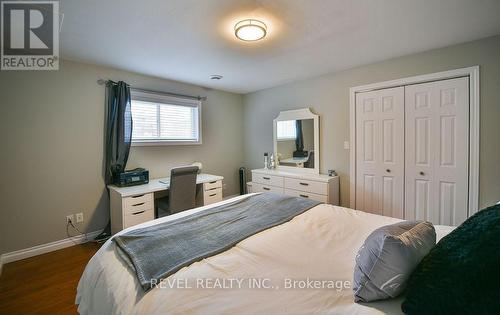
(135, 204)
(298, 161)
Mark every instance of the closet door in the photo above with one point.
(437, 142)
(380, 151)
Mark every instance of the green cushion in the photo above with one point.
(460, 275)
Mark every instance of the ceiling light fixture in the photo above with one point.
(250, 30)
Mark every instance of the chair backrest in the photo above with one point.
(182, 195)
(310, 160)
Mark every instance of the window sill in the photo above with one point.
(163, 143)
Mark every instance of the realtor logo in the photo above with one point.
(30, 35)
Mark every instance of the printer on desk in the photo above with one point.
(138, 176)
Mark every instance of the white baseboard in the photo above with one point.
(45, 248)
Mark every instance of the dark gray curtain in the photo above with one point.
(118, 136)
(299, 139)
(118, 129)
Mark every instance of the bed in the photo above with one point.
(267, 273)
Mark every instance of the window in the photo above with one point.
(286, 130)
(160, 119)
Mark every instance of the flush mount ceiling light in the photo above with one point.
(250, 30)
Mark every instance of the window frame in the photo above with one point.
(158, 97)
(287, 138)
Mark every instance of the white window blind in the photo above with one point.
(286, 130)
(162, 119)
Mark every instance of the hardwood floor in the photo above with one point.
(44, 284)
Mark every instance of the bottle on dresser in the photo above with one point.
(272, 161)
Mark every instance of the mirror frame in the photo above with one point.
(304, 113)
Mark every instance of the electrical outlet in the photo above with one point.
(70, 218)
(79, 217)
(346, 145)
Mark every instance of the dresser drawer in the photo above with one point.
(212, 185)
(138, 218)
(256, 187)
(303, 194)
(212, 196)
(267, 179)
(307, 186)
(135, 200)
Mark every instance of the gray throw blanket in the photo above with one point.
(159, 251)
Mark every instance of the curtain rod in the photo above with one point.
(199, 98)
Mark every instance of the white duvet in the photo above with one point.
(319, 244)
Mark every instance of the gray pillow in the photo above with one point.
(388, 257)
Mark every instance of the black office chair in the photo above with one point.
(182, 192)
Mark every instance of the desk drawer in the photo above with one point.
(138, 218)
(212, 196)
(256, 187)
(138, 199)
(303, 194)
(139, 207)
(307, 186)
(267, 179)
(212, 185)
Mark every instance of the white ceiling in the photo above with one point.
(188, 40)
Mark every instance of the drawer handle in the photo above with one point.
(304, 196)
(266, 178)
(138, 196)
(212, 195)
(265, 188)
(212, 182)
(304, 184)
(136, 213)
(138, 204)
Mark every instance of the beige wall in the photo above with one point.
(308, 134)
(52, 148)
(328, 96)
(52, 126)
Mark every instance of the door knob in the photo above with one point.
(422, 173)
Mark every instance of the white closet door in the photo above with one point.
(380, 152)
(437, 142)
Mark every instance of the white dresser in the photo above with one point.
(318, 187)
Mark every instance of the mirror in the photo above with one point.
(296, 143)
